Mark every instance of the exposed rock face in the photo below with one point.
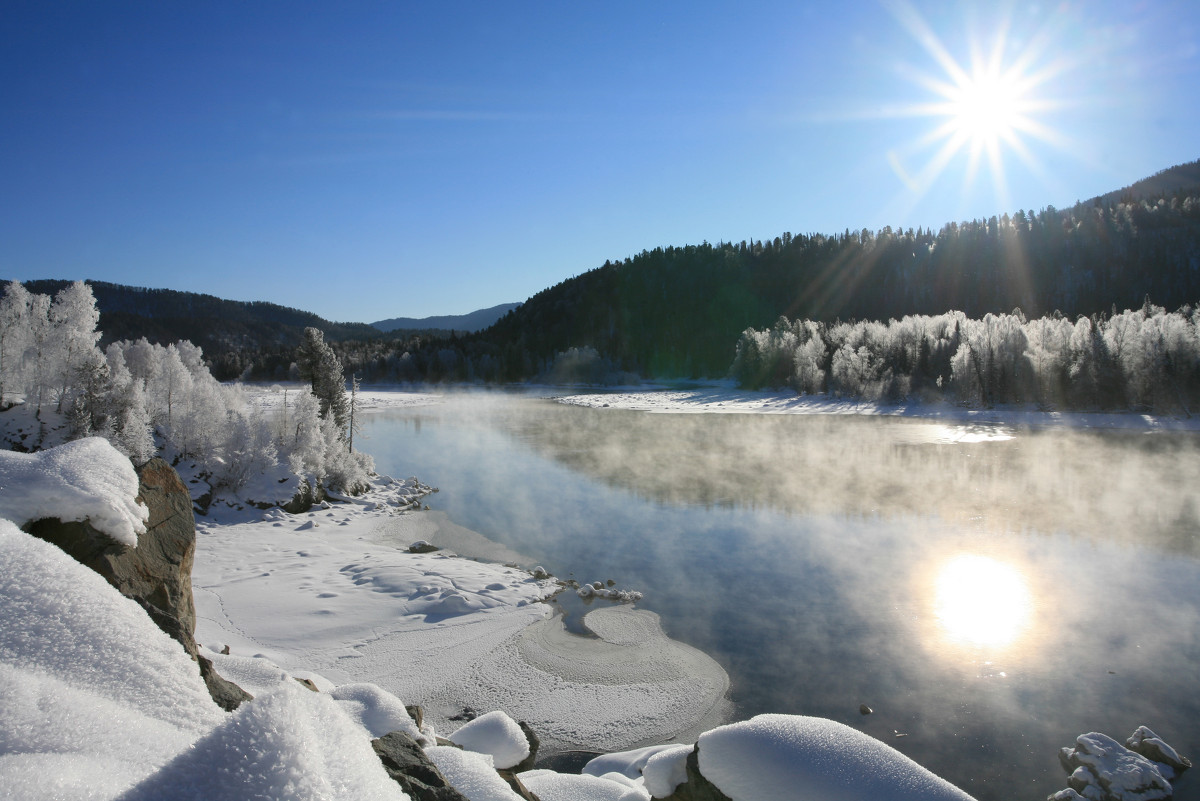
(158, 573)
(696, 788)
(407, 763)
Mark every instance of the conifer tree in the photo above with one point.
(319, 365)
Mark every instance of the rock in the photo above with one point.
(518, 786)
(421, 546)
(696, 788)
(863, 709)
(408, 765)
(307, 683)
(1101, 769)
(224, 692)
(534, 744)
(1148, 744)
(157, 574)
(417, 713)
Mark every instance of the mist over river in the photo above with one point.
(990, 592)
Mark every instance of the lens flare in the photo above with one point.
(982, 602)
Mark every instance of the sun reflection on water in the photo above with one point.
(982, 602)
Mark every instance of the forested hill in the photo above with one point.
(678, 311)
(227, 330)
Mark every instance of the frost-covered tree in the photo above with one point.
(319, 365)
(39, 352)
(73, 321)
(14, 335)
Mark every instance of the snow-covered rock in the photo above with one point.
(1101, 769)
(471, 774)
(792, 757)
(495, 734)
(550, 786)
(87, 479)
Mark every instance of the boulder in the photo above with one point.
(157, 574)
(696, 788)
(408, 765)
(1101, 769)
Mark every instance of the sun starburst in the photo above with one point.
(986, 106)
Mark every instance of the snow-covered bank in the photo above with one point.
(329, 592)
(723, 398)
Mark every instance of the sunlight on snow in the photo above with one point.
(982, 602)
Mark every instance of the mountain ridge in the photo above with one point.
(462, 323)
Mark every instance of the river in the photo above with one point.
(989, 592)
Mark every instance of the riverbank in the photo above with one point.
(725, 398)
(332, 595)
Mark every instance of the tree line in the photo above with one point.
(151, 399)
(679, 311)
(1146, 359)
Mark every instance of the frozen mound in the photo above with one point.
(1101, 769)
(471, 774)
(87, 479)
(495, 734)
(293, 744)
(550, 786)
(93, 695)
(792, 757)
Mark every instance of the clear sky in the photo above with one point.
(374, 160)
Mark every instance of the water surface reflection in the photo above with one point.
(990, 593)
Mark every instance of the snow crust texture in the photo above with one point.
(792, 757)
(87, 479)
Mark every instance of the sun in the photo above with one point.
(987, 105)
(987, 108)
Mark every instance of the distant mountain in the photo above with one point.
(1161, 184)
(463, 323)
(678, 311)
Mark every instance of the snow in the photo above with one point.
(292, 743)
(550, 786)
(1105, 769)
(93, 696)
(87, 479)
(794, 757)
(724, 398)
(666, 770)
(497, 735)
(334, 591)
(471, 774)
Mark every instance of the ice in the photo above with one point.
(471, 774)
(793, 757)
(496, 734)
(87, 479)
(550, 786)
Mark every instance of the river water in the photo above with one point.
(989, 592)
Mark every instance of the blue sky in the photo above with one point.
(373, 160)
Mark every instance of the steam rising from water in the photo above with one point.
(990, 592)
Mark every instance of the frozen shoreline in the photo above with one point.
(724, 398)
(330, 595)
